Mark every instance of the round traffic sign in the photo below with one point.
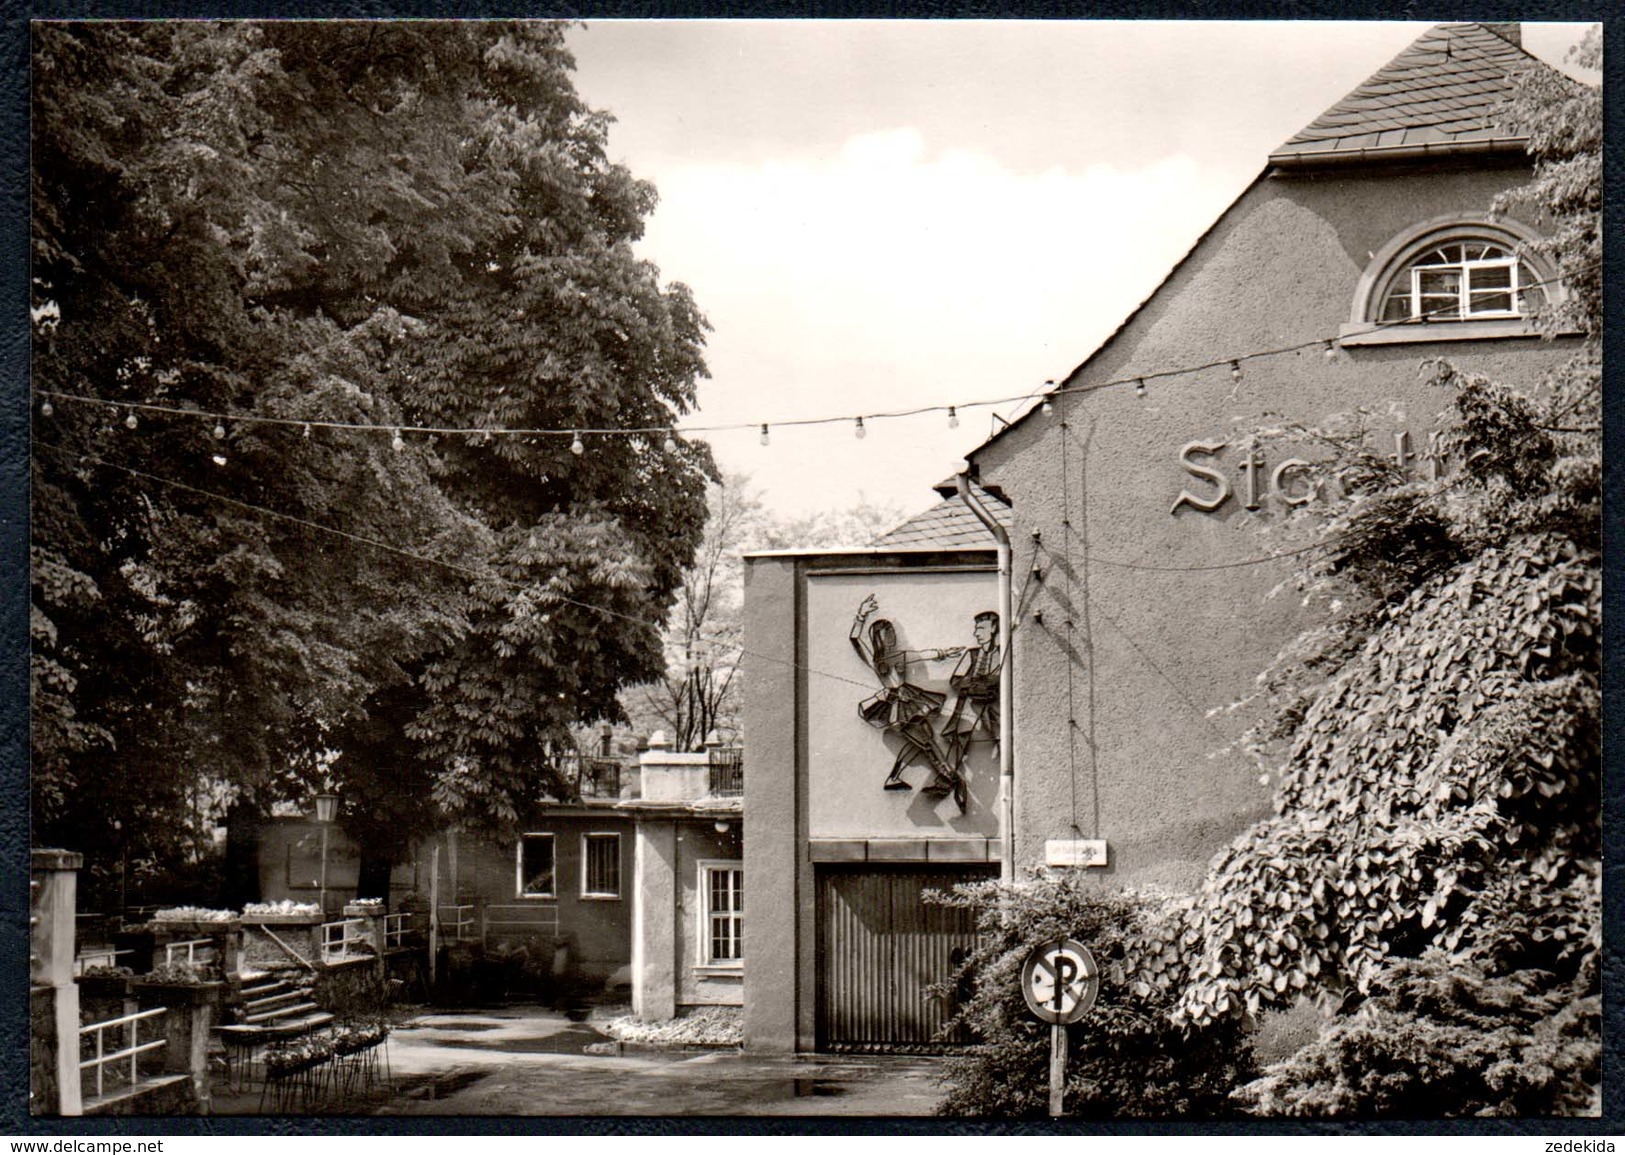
(1060, 981)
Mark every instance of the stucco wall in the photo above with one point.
(1114, 733)
(778, 878)
(599, 929)
(699, 841)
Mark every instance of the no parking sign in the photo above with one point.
(1060, 981)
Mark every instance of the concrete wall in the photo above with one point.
(778, 875)
(1114, 737)
(802, 686)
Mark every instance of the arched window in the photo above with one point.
(1461, 280)
(1451, 279)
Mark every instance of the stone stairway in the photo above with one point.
(279, 1007)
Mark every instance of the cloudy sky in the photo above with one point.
(884, 215)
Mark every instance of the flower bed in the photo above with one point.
(705, 1027)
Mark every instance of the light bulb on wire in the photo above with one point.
(1331, 351)
(953, 417)
(671, 443)
(219, 431)
(859, 431)
(131, 421)
(1235, 371)
(46, 408)
(576, 446)
(1139, 387)
(397, 443)
(764, 437)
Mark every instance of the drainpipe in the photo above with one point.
(1007, 765)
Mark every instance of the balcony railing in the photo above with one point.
(588, 777)
(725, 771)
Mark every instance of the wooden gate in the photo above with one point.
(879, 947)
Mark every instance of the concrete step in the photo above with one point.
(265, 1002)
(290, 1011)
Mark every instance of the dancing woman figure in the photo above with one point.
(900, 707)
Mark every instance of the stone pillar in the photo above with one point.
(53, 885)
(654, 921)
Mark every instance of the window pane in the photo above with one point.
(1397, 307)
(1491, 277)
(724, 890)
(1439, 281)
(603, 864)
(536, 864)
(1491, 303)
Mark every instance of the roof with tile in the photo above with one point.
(1444, 93)
(948, 525)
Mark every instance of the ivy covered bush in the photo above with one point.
(1432, 871)
(1128, 1058)
(1436, 1031)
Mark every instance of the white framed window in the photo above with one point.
(600, 865)
(1452, 278)
(1464, 280)
(536, 867)
(722, 913)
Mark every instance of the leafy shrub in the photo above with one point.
(1126, 1057)
(1442, 1039)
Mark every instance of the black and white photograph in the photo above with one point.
(1023, 572)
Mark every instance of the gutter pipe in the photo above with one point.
(1007, 793)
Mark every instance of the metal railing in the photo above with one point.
(133, 1051)
(193, 948)
(396, 928)
(462, 924)
(96, 956)
(338, 937)
(586, 777)
(725, 776)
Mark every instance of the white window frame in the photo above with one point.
(600, 895)
(1391, 272)
(519, 865)
(1423, 310)
(703, 957)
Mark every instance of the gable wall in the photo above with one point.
(1152, 652)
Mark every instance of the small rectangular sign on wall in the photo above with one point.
(1075, 852)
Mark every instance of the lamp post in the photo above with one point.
(327, 808)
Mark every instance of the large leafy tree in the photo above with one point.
(387, 224)
(1438, 739)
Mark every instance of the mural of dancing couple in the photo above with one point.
(909, 712)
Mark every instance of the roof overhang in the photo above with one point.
(1296, 159)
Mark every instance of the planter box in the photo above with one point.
(311, 919)
(192, 927)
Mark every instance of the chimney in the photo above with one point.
(1512, 33)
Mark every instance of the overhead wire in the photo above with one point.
(663, 431)
(411, 555)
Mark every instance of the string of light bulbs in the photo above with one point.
(669, 434)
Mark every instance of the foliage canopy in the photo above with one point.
(390, 223)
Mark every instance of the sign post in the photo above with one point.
(1060, 981)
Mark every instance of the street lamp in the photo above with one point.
(327, 809)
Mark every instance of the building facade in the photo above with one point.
(1154, 502)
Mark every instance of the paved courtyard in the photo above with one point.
(530, 1061)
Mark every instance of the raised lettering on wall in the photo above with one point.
(1196, 501)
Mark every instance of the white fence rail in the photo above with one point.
(338, 937)
(132, 1051)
